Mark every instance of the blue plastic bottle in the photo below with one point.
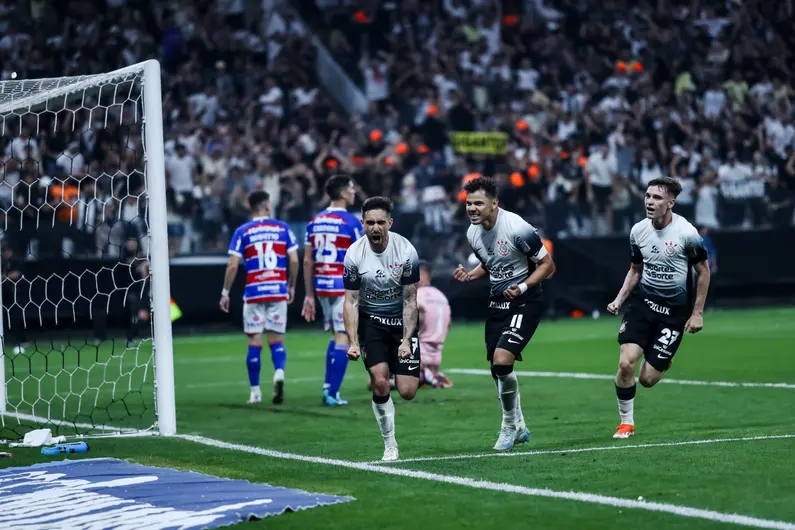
(57, 449)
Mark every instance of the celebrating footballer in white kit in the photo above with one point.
(513, 256)
(381, 314)
(664, 250)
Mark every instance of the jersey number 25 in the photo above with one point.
(325, 249)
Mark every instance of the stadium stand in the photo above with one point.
(699, 89)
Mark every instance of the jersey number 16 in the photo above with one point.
(266, 255)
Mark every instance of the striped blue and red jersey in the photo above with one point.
(329, 234)
(263, 245)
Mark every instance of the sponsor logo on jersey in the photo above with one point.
(379, 274)
(396, 270)
(501, 272)
(655, 249)
(387, 321)
(493, 304)
(325, 268)
(390, 294)
(659, 272)
(502, 248)
(264, 228)
(410, 360)
(658, 308)
(670, 249)
(266, 275)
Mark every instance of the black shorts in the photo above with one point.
(655, 327)
(380, 338)
(511, 325)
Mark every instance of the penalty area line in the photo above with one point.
(607, 377)
(616, 502)
(617, 447)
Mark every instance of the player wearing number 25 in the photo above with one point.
(328, 236)
(269, 252)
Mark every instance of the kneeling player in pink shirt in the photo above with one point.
(434, 325)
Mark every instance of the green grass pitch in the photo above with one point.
(753, 477)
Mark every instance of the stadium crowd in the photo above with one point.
(591, 101)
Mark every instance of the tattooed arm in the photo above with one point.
(410, 318)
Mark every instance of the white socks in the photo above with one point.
(385, 416)
(626, 409)
(509, 394)
(517, 418)
(626, 404)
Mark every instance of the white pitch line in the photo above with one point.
(617, 502)
(617, 447)
(610, 377)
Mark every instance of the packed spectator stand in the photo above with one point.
(589, 101)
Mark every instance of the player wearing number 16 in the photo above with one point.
(269, 252)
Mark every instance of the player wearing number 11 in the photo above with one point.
(269, 252)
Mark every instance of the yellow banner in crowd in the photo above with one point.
(487, 143)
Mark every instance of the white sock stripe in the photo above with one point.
(684, 511)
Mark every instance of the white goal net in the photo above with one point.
(86, 331)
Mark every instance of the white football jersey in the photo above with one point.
(380, 278)
(667, 256)
(507, 250)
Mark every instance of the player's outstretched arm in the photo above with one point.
(308, 311)
(350, 317)
(630, 281)
(696, 321)
(229, 280)
(410, 319)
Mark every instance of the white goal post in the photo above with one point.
(84, 229)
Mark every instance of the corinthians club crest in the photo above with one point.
(502, 248)
(395, 270)
(670, 249)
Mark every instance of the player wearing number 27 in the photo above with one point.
(664, 250)
(269, 252)
(328, 237)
